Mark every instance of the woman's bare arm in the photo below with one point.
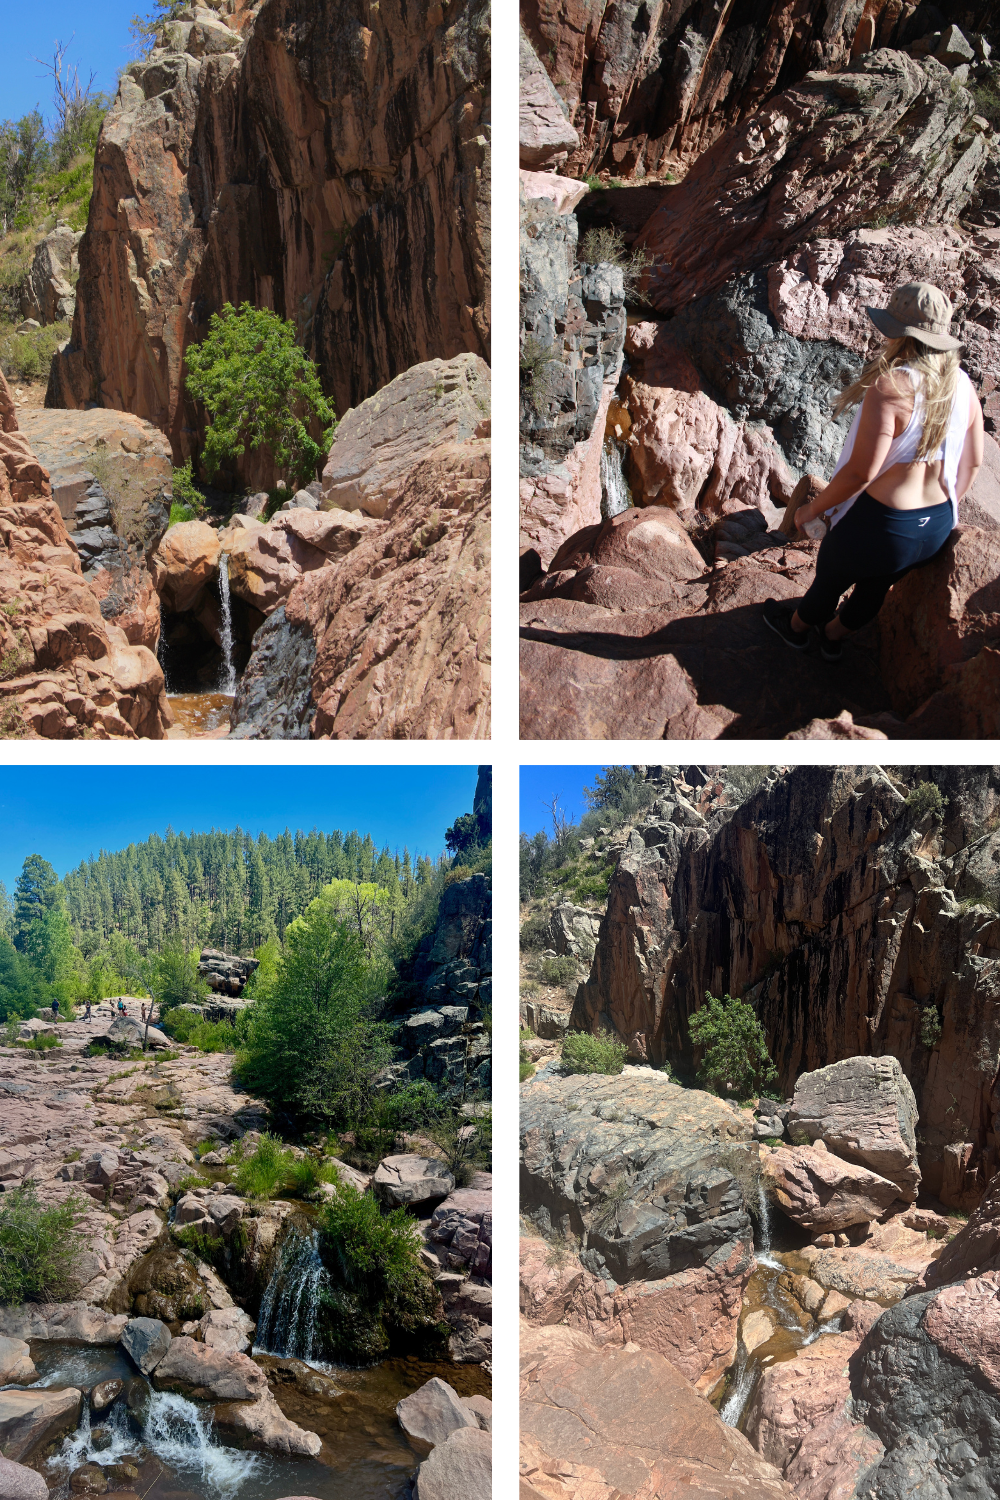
(972, 454)
(885, 411)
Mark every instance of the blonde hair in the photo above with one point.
(938, 372)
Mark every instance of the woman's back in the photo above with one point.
(906, 482)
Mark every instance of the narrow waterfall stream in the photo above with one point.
(768, 1291)
(286, 1323)
(615, 494)
(227, 682)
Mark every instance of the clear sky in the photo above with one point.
(539, 784)
(68, 814)
(27, 31)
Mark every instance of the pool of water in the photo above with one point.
(180, 1454)
(200, 715)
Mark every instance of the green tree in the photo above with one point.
(177, 981)
(313, 1044)
(23, 157)
(611, 788)
(34, 893)
(22, 989)
(259, 388)
(735, 1056)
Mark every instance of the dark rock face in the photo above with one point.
(225, 973)
(583, 1138)
(839, 918)
(328, 161)
(274, 697)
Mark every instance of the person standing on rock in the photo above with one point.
(914, 448)
(86, 1015)
(55, 1010)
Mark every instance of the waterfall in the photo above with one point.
(735, 1403)
(177, 1431)
(228, 684)
(161, 651)
(615, 495)
(286, 1323)
(763, 1217)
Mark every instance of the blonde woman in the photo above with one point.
(914, 448)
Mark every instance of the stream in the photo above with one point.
(793, 1330)
(200, 716)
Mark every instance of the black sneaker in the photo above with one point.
(830, 650)
(778, 615)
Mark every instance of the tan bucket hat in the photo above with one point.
(917, 311)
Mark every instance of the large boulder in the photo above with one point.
(16, 1365)
(197, 1370)
(266, 562)
(462, 1230)
(377, 444)
(31, 1419)
(228, 1329)
(628, 1422)
(430, 1413)
(262, 1424)
(146, 1340)
(225, 973)
(645, 1171)
(184, 563)
(47, 294)
(62, 1322)
(459, 1467)
(975, 1250)
(863, 1109)
(412, 1182)
(823, 1193)
(17, 1482)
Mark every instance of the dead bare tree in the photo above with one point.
(75, 102)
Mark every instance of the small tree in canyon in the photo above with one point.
(736, 1059)
(259, 389)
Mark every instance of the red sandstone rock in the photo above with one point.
(824, 1193)
(266, 562)
(631, 1418)
(371, 230)
(975, 1249)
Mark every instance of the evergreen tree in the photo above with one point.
(177, 981)
(33, 894)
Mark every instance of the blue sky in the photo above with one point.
(28, 31)
(68, 814)
(539, 784)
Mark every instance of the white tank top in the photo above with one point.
(903, 449)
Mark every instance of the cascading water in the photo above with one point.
(161, 651)
(615, 494)
(228, 683)
(286, 1323)
(175, 1430)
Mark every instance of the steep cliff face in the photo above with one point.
(651, 84)
(853, 927)
(327, 160)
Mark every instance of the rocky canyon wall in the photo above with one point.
(649, 85)
(326, 160)
(853, 927)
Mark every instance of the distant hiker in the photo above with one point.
(914, 448)
(55, 1010)
(87, 1013)
(144, 1015)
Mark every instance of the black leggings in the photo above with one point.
(872, 547)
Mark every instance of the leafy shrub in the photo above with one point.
(464, 1143)
(192, 1180)
(535, 361)
(583, 1053)
(39, 1246)
(926, 798)
(743, 781)
(560, 971)
(388, 1115)
(259, 389)
(190, 1028)
(259, 1175)
(179, 514)
(930, 1027)
(40, 1043)
(535, 932)
(304, 1177)
(735, 1047)
(987, 97)
(379, 1299)
(187, 495)
(27, 356)
(607, 246)
(525, 1066)
(204, 1246)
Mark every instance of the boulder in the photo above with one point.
(625, 1419)
(546, 135)
(105, 1393)
(564, 192)
(482, 1408)
(20, 1483)
(47, 294)
(197, 1370)
(183, 564)
(863, 1109)
(227, 1329)
(377, 444)
(430, 1413)
(459, 1467)
(975, 1249)
(411, 1181)
(267, 562)
(262, 1424)
(823, 1193)
(462, 1228)
(16, 1366)
(62, 1322)
(146, 1340)
(31, 1419)
(574, 930)
(225, 973)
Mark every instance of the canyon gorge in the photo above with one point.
(329, 164)
(709, 201)
(791, 1289)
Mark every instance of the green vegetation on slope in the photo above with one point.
(38, 1247)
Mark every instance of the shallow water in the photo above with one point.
(181, 1456)
(200, 715)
